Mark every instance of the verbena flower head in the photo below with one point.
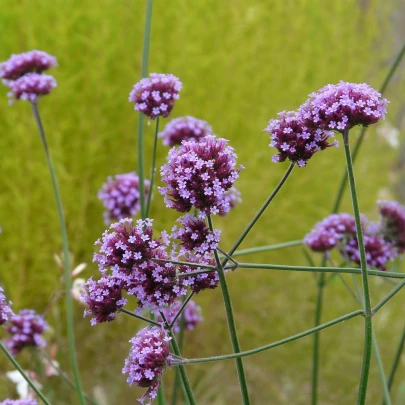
(147, 360)
(195, 235)
(5, 308)
(191, 314)
(232, 198)
(328, 232)
(392, 223)
(155, 95)
(199, 174)
(26, 401)
(30, 87)
(185, 129)
(120, 195)
(26, 62)
(378, 251)
(104, 298)
(25, 329)
(342, 106)
(294, 140)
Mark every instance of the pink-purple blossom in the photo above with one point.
(121, 197)
(26, 401)
(294, 140)
(231, 198)
(185, 129)
(147, 361)
(26, 329)
(155, 95)
(191, 315)
(30, 87)
(103, 298)
(341, 106)
(199, 175)
(392, 223)
(27, 62)
(5, 308)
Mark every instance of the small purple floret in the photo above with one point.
(294, 140)
(185, 129)
(199, 175)
(147, 360)
(27, 62)
(25, 329)
(340, 107)
(120, 195)
(26, 401)
(232, 198)
(30, 87)
(155, 95)
(392, 223)
(5, 308)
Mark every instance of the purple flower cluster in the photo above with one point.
(147, 360)
(341, 106)
(120, 196)
(25, 329)
(5, 308)
(392, 223)
(339, 230)
(294, 140)
(104, 298)
(191, 314)
(185, 129)
(232, 198)
(22, 73)
(195, 236)
(27, 62)
(199, 175)
(26, 401)
(155, 95)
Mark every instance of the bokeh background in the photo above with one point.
(241, 62)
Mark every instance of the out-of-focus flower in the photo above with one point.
(78, 289)
(341, 106)
(392, 223)
(104, 298)
(120, 196)
(27, 62)
(191, 315)
(147, 360)
(199, 175)
(296, 141)
(25, 329)
(389, 133)
(5, 308)
(185, 129)
(30, 87)
(19, 402)
(155, 95)
(23, 389)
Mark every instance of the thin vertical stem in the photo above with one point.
(22, 372)
(368, 332)
(231, 323)
(386, 392)
(66, 259)
(260, 212)
(144, 72)
(153, 170)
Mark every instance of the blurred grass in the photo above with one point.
(241, 62)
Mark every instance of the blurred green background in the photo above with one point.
(241, 62)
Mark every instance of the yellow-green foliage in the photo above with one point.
(241, 62)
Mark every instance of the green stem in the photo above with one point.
(348, 270)
(203, 266)
(64, 377)
(368, 326)
(144, 72)
(396, 360)
(142, 318)
(386, 392)
(275, 344)
(22, 372)
(259, 214)
(359, 141)
(66, 258)
(184, 304)
(231, 324)
(153, 170)
(388, 297)
(267, 248)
